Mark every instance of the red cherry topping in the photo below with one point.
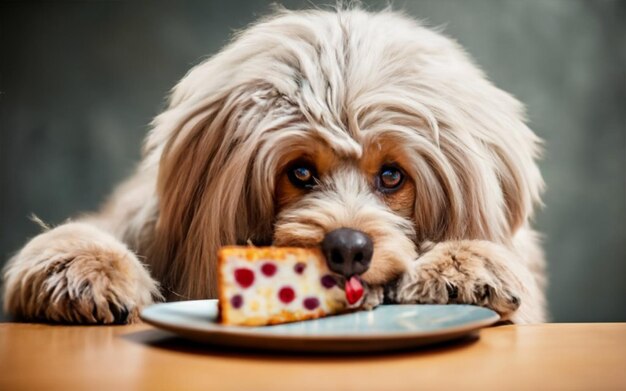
(354, 290)
(286, 294)
(269, 269)
(236, 301)
(244, 277)
(328, 281)
(311, 303)
(299, 267)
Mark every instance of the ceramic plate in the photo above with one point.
(385, 328)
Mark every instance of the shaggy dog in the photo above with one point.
(307, 123)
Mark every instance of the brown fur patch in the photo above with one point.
(384, 151)
(318, 155)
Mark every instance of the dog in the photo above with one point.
(364, 133)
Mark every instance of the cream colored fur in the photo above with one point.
(348, 80)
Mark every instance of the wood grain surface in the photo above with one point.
(139, 357)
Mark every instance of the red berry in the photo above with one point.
(269, 269)
(286, 294)
(354, 290)
(244, 277)
(328, 281)
(299, 267)
(311, 303)
(236, 301)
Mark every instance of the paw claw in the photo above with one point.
(483, 292)
(515, 301)
(453, 291)
(120, 314)
(94, 312)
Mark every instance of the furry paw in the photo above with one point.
(76, 273)
(468, 272)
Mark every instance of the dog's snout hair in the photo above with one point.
(345, 199)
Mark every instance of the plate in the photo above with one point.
(387, 327)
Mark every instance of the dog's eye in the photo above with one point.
(302, 175)
(390, 179)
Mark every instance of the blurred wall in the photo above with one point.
(80, 81)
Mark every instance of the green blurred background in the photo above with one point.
(80, 81)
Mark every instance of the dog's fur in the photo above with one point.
(348, 91)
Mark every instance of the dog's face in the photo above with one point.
(363, 133)
(358, 204)
(369, 189)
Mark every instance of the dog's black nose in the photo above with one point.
(348, 251)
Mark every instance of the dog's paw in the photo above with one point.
(468, 272)
(77, 274)
(374, 297)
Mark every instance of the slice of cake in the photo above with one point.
(270, 285)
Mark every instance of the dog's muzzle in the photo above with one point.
(348, 252)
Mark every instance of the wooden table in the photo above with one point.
(537, 357)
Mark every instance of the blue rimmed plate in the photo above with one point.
(387, 327)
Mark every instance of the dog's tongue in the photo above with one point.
(354, 290)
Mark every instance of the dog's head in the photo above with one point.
(364, 133)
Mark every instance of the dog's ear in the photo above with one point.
(477, 177)
(207, 195)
